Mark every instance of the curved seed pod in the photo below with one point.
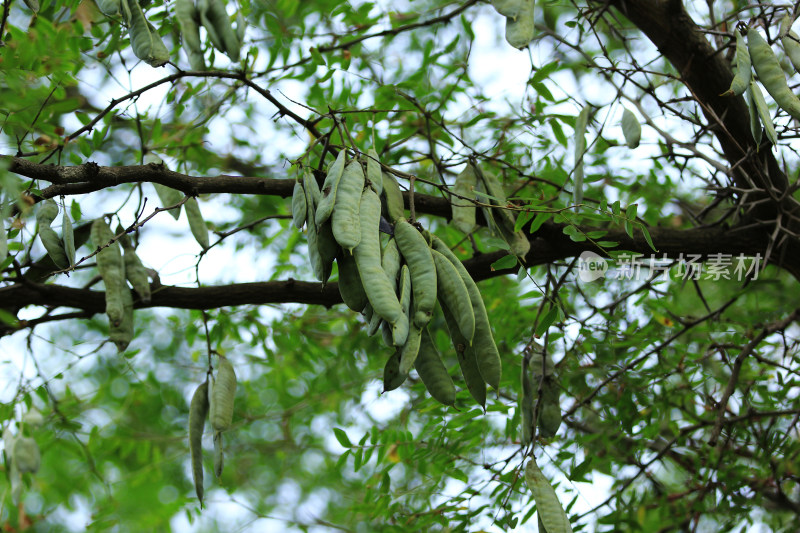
(122, 334)
(54, 247)
(771, 74)
(322, 270)
(466, 359)
(68, 234)
(379, 289)
(520, 30)
(351, 287)
(527, 402)
(48, 211)
(410, 350)
(329, 189)
(241, 28)
(549, 508)
(452, 291)
(742, 68)
(415, 250)
(313, 194)
(109, 7)
(463, 209)
(26, 455)
(631, 128)
(344, 219)
(223, 393)
(483, 344)
(299, 205)
(400, 333)
(508, 8)
(763, 112)
(755, 123)
(386, 334)
(169, 197)
(146, 45)
(198, 412)
(216, 21)
(112, 270)
(580, 149)
(374, 177)
(219, 457)
(328, 247)
(134, 269)
(187, 15)
(375, 322)
(433, 373)
(392, 198)
(390, 261)
(517, 240)
(790, 42)
(392, 377)
(196, 223)
(160, 54)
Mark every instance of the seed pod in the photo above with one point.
(375, 322)
(3, 238)
(146, 44)
(219, 456)
(328, 247)
(527, 402)
(466, 359)
(462, 206)
(452, 291)
(742, 68)
(418, 256)
(241, 28)
(313, 194)
(503, 224)
(771, 74)
(392, 199)
(790, 42)
(222, 395)
(379, 289)
(433, 373)
(351, 287)
(134, 269)
(112, 269)
(580, 148)
(109, 7)
(344, 219)
(392, 377)
(483, 344)
(520, 30)
(218, 25)
(169, 197)
(410, 350)
(196, 223)
(329, 189)
(198, 412)
(631, 128)
(68, 234)
(390, 261)
(122, 334)
(374, 177)
(508, 8)
(188, 17)
(763, 112)
(26, 455)
(48, 211)
(322, 269)
(299, 205)
(752, 108)
(550, 511)
(54, 247)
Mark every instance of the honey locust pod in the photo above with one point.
(198, 412)
(222, 396)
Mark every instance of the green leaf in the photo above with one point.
(507, 261)
(546, 321)
(341, 436)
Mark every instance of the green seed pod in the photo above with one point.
(112, 269)
(196, 223)
(351, 287)
(122, 334)
(390, 261)
(169, 197)
(392, 199)
(222, 396)
(344, 219)
(771, 74)
(761, 108)
(374, 177)
(135, 271)
(3, 238)
(483, 344)
(188, 18)
(375, 322)
(392, 377)
(329, 189)
(322, 269)
(453, 292)
(26, 455)
(145, 43)
(54, 247)
(752, 108)
(219, 456)
(48, 211)
(742, 68)
(218, 25)
(68, 234)
(299, 205)
(550, 511)
(198, 412)
(527, 402)
(418, 256)
(790, 42)
(433, 373)
(328, 247)
(503, 224)
(380, 290)
(313, 194)
(410, 350)
(109, 7)
(462, 206)
(508, 8)
(466, 359)
(241, 28)
(520, 30)
(631, 128)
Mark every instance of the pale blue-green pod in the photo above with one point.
(26, 454)
(54, 247)
(351, 287)
(109, 7)
(549, 508)
(771, 74)
(241, 27)
(187, 15)
(135, 271)
(392, 198)
(790, 42)
(299, 205)
(742, 68)
(68, 237)
(463, 208)
(145, 44)
(433, 373)
(762, 110)
(222, 396)
(520, 30)
(374, 177)
(379, 289)
(196, 223)
(48, 211)
(631, 128)
(344, 219)
(219, 456)
(122, 334)
(390, 261)
(752, 107)
(169, 197)
(410, 350)
(217, 23)
(329, 189)
(392, 377)
(453, 292)
(313, 194)
(486, 353)
(112, 269)
(466, 359)
(527, 402)
(374, 324)
(198, 412)
(417, 254)
(159, 55)
(508, 8)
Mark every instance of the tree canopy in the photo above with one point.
(613, 182)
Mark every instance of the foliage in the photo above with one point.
(677, 391)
